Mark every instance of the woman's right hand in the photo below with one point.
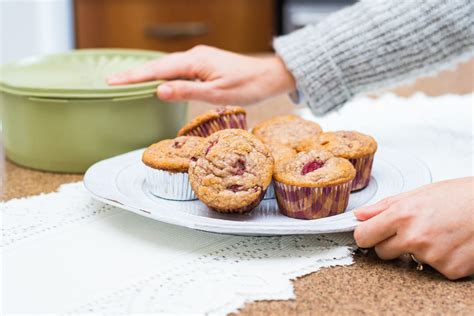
(435, 223)
(213, 75)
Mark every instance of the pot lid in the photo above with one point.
(76, 74)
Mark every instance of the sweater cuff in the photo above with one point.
(315, 73)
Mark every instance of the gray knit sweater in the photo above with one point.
(376, 44)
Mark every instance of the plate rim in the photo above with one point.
(347, 220)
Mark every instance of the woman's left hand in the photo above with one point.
(435, 223)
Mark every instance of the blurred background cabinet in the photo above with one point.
(173, 25)
(248, 26)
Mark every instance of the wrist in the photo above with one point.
(280, 77)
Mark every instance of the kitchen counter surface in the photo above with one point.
(369, 286)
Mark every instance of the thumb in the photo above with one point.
(180, 90)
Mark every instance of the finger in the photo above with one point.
(364, 213)
(376, 229)
(390, 248)
(140, 74)
(180, 90)
(177, 65)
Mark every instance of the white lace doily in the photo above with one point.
(66, 253)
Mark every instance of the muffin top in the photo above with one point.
(280, 152)
(173, 154)
(210, 115)
(233, 170)
(345, 144)
(287, 130)
(315, 168)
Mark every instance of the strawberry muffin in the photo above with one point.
(313, 184)
(357, 147)
(167, 165)
(232, 172)
(216, 120)
(288, 130)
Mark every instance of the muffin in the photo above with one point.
(279, 152)
(215, 120)
(167, 165)
(357, 147)
(313, 184)
(288, 130)
(232, 172)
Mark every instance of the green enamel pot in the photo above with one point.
(62, 123)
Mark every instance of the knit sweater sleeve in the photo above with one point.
(375, 44)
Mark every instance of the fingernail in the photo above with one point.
(165, 91)
(357, 214)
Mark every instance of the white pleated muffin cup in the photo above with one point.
(169, 185)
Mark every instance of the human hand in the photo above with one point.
(214, 76)
(435, 223)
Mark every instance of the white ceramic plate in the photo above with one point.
(120, 181)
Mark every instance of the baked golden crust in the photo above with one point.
(288, 130)
(210, 115)
(316, 168)
(280, 152)
(232, 172)
(344, 144)
(173, 154)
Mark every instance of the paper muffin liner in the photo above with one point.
(270, 194)
(244, 209)
(224, 122)
(363, 167)
(169, 185)
(312, 203)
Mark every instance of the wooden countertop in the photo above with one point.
(369, 286)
